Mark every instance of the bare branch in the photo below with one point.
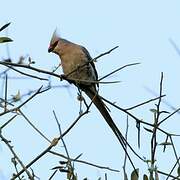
(84, 162)
(26, 74)
(53, 143)
(7, 142)
(15, 109)
(132, 64)
(143, 103)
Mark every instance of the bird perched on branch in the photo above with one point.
(80, 70)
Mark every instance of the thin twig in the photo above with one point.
(177, 110)
(53, 174)
(8, 103)
(15, 109)
(5, 91)
(125, 156)
(135, 118)
(174, 149)
(33, 126)
(26, 74)
(51, 73)
(143, 103)
(33, 161)
(65, 147)
(13, 160)
(6, 123)
(53, 143)
(163, 100)
(169, 175)
(116, 70)
(7, 142)
(60, 133)
(166, 174)
(155, 128)
(105, 53)
(49, 87)
(29, 67)
(84, 162)
(9, 64)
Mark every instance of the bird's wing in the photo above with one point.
(89, 59)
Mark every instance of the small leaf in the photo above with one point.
(147, 161)
(7, 60)
(165, 143)
(5, 26)
(13, 160)
(30, 61)
(149, 130)
(63, 162)
(135, 174)
(5, 39)
(145, 177)
(64, 170)
(153, 110)
(57, 167)
(17, 97)
(21, 60)
(166, 112)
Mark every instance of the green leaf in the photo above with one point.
(5, 39)
(4, 27)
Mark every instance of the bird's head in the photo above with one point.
(53, 47)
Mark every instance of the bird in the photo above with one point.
(80, 70)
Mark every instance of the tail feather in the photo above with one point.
(101, 107)
(96, 99)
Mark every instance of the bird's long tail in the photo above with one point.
(96, 99)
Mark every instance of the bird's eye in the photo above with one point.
(54, 44)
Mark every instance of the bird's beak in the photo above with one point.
(50, 49)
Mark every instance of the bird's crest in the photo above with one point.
(54, 41)
(55, 37)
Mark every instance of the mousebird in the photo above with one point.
(79, 69)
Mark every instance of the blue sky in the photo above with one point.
(140, 28)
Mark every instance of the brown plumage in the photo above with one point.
(76, 63)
